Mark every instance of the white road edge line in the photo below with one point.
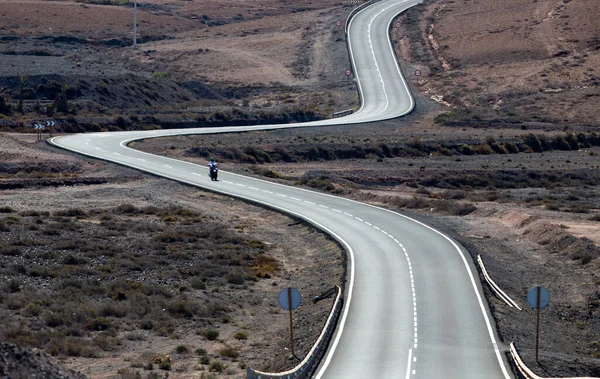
(409, 363)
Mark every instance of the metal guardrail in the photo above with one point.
(342, 113)
(355, 11)
(309, 363)
(525, 372)
(501, 294)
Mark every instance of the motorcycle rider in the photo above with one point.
(212, 165)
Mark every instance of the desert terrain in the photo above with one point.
(501, 153)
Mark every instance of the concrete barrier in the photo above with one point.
(305, 368)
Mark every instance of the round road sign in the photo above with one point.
(417, 72)
(398, 24)
(348, 72)
(338, 22)
(544, 297)
(289, 298)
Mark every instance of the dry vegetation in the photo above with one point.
(106, 269)
(215, 63)
(527, 200)
(507, 162)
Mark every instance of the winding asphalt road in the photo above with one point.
(413, 307)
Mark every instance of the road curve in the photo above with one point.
(413, 307)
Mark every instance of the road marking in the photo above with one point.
(295, 198)
(359, 219)
(409, 363)
(195, 173)
(368, 223)
(309, 202)
(280, 194)
(240, 185)
(376, 227)
(227, 181)
(323, 206)
(253, 188)
(348, 214)
(115, 153)
(141, 159)
(167, 166)
(267, 191)
(336, 210)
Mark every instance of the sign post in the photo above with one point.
(538, 298)
(134, 23)
(289, 299)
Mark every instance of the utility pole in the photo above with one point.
(134, 23)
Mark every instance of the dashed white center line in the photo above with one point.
(115, 153)
(368, 223)
(336, 210)
(227, 181)
(280, 194)
(323, 206)
(348, 214)
(295, 198)
(141, 159)
(253, 188)
(195, 173)
(267, 191)
(240, 185)
(309, 202)
(359, 219)
(167, 166)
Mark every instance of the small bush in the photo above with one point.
(6, 209)
(165, 365)
(198, 284)
(204, 360)
(52, 319)
(201, 351)
(182, 349)
(13, 286)
(126, 209)
(240, 335)
(210, 334)
(229, 352)
(72, 212)
(216, 366)
(12, 251)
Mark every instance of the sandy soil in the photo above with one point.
(510, 60)
(313, 268)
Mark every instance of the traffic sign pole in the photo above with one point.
(537, 327)
(291, 327)
(538, 297)
(289, 298)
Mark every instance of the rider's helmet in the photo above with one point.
(212, 159)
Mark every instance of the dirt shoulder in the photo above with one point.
(531, 216)
(107, 276)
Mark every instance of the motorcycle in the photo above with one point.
(213, 173)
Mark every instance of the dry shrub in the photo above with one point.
(265, 266)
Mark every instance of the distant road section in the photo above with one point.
(413, 304)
